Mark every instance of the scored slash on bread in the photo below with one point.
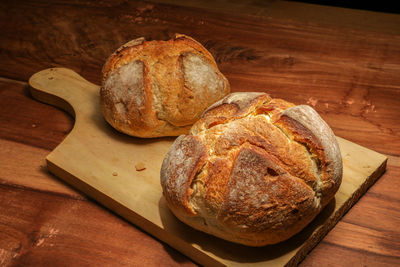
(253, 170)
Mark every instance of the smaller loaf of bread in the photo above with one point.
(253, 170)
(159, 88)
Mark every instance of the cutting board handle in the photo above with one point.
(65, 89)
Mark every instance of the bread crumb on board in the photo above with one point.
(140, 166)
(115, 173)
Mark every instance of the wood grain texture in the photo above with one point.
(347, 67)
(296, 11)
(39, 229)
(293, 59)
(44, 131)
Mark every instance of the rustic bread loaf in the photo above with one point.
(159, 88)
(253, 170)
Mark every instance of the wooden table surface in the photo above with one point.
(343, 62)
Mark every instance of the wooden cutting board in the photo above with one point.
(101, 162)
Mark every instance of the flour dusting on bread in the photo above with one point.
(159, 88)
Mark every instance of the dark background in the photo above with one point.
(381, 6)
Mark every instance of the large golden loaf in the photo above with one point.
(253, 170)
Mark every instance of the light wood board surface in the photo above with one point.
(99, 161)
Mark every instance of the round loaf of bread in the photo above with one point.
(253, 170)
(159, 88)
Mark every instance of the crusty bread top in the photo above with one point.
(159, 88)
(256, 170)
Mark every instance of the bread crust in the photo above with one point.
(264, 169)
(159, 88)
